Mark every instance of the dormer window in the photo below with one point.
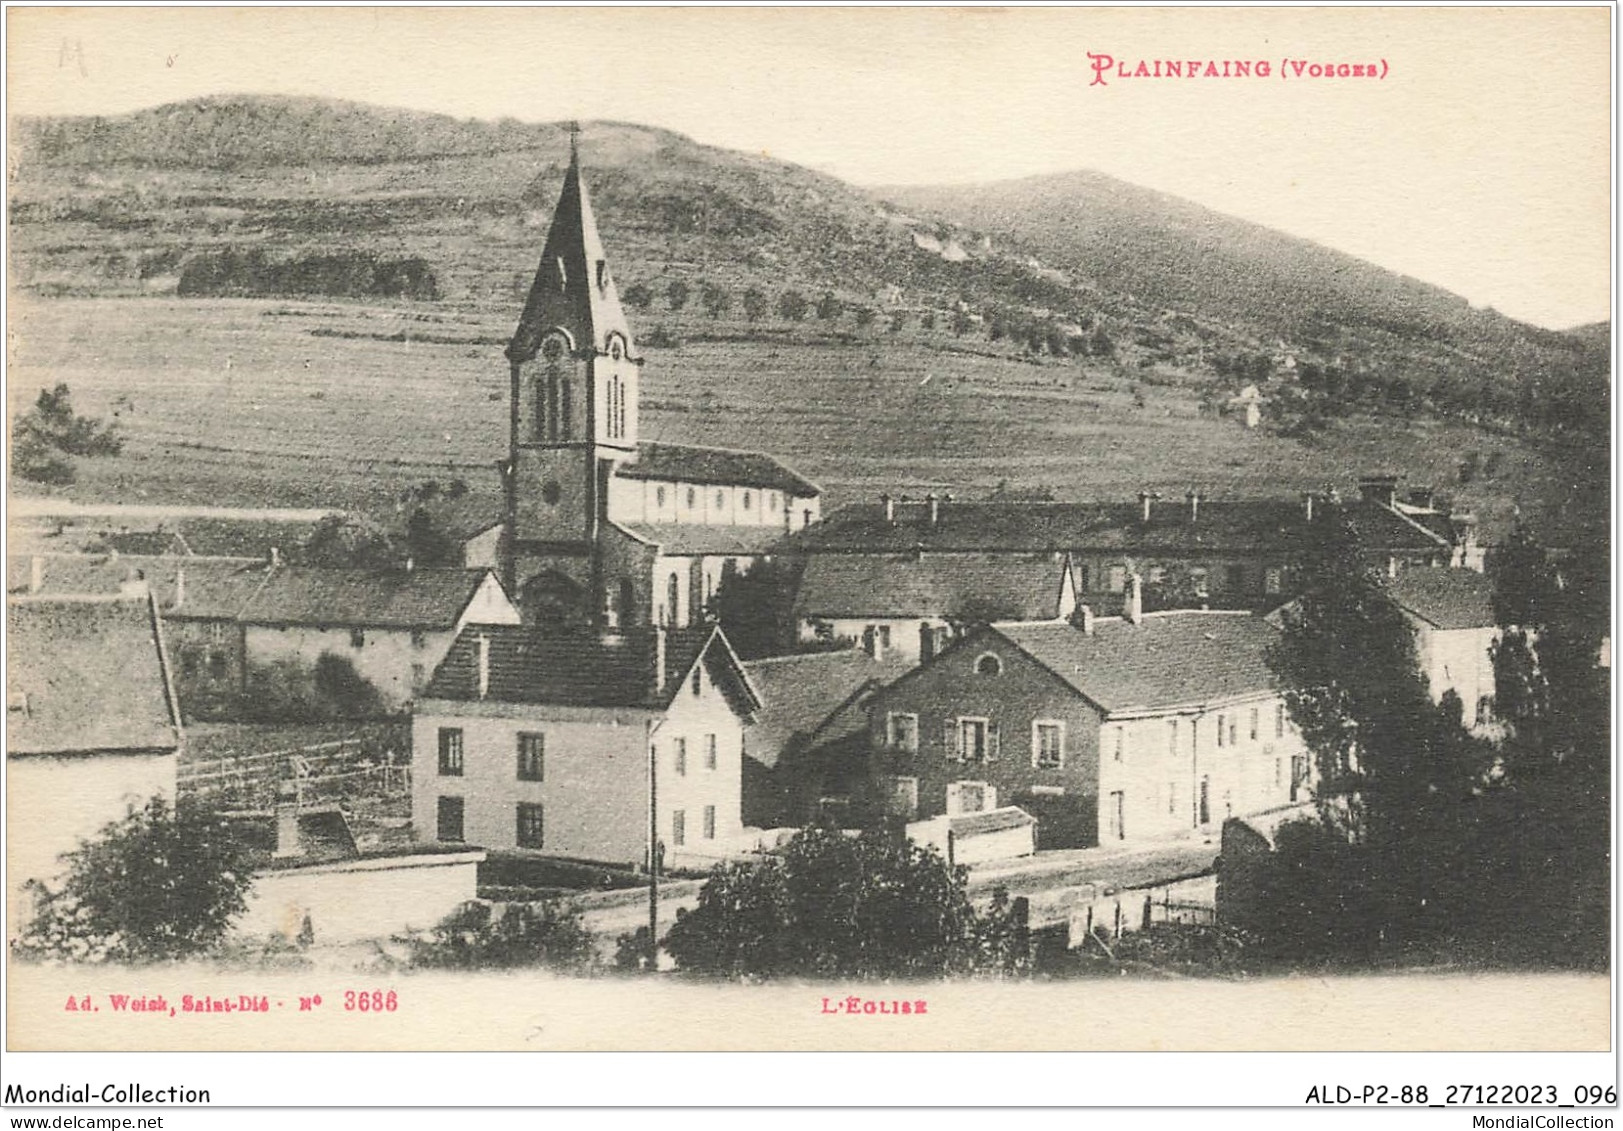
(988, 664)
(602, 274)
(614, 349)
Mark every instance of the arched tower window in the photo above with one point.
(673, 595)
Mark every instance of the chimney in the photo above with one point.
(1382, 489)
(180, 588)
(659, 659)
(934, 504)
(1193, 496)
(484, 665)
(1423, 498)
(275, 557)
(1084, 619)
(1307, 504)
(890, 507)
(1135, 599)
(36, 574)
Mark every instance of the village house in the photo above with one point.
(574, 745)
(1191, 552)
(600, 527)
(1451, 611)
(392, 625)
(907, 607)
(92, 727)
(806, 756)
(226, 618)
(1120, 729)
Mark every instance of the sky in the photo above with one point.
(1481, 162)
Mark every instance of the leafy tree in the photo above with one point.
(639, 295)
(676, 293)
(755, 607)
(427, 543)
(865, 316)
(717, 300)
(549, 934)
(1395, 769)
(834, 906)
(755, 304)
(49, 432)
(159, 885)
(829, 307)
(346, 542)
(792, 306)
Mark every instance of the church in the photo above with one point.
(599, 527)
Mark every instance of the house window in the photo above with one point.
(188, 664)
(746, 500)
(679, 828)
(448, 819)
(1118, 578)
(1119, 744)
(1172, 799)
(709, 751)
(970, 797)
(1273, 581)
(693, 498)
(1172, 737)
(1222, 729)
(1298, 775)
(673, 597)
(219, 666)
(902, 732)
(902, 799)
(721, 500)
(532, 757)
(988, 664)
(709, 822)
(531, 826)
(680, 748)
(419, 638)
(450, 752)
(419, 674)
(1256, 728)
(1116, 814)
(805, 518)
(357, 638)
(216, 634)
(975, 740)
(772, 501)
(1236, 578)
(1279, 772)
(1198, 577)
(1279, 721)
(698, 680)
(1234, 730)
(1047, 745)
(659, 497)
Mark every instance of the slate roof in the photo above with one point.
(1243, 526)
(215, 589)
(1182, 659)
(365, 598)
(706, 541)
(533, 665)
(810, 697)
(1445, 598)
(1012, 586)
(87, 675)
(724, 466)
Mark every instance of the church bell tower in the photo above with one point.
(572, 401)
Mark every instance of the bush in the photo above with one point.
(161, 884)
(548, 934)
(833, 906)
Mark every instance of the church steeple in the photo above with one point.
(574, 289)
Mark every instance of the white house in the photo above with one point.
(1455, 631)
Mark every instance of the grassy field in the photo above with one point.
(272, 402)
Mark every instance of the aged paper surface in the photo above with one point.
(1373, 165)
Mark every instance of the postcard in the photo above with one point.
(801, 530)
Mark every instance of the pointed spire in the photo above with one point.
(573, 289)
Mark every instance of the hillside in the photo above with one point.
(1070, 333)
